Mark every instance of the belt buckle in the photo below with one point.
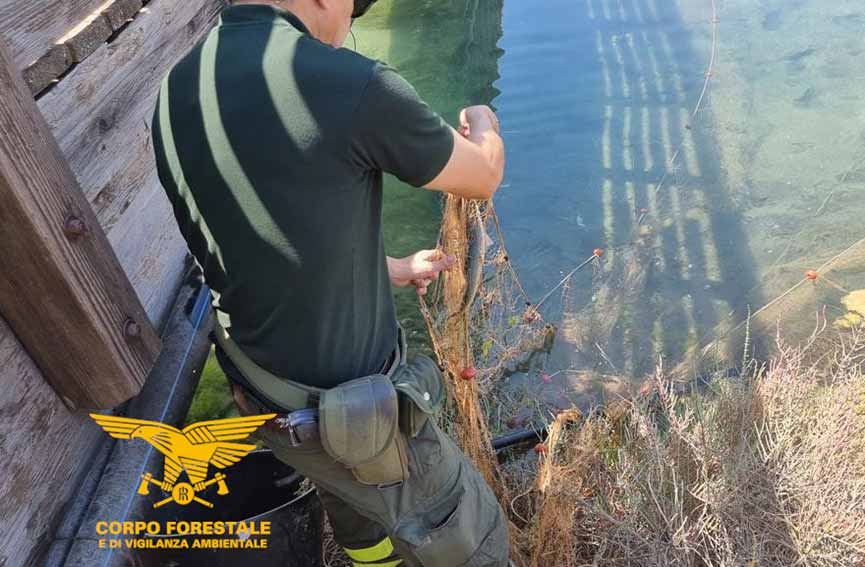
(292, 423)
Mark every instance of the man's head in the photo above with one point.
(328, 21)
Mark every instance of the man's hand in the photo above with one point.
(478, 119)
(419, 269)
(477, 163)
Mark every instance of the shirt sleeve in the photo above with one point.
(398, 133)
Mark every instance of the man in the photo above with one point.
(270, 142)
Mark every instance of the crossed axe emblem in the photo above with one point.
(183, 493)
(194, 448)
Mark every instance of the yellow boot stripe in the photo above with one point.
(395, 563)
(379, 551)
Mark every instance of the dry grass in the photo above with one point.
(763, 470)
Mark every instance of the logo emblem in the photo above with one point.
(192, 449)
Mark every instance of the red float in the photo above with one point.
(468, 373)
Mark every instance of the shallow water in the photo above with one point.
(597, 101)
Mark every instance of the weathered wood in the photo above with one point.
(63, 292)
(47, 68)
(45, 450)
(150, 248)
(79, 42)
(32, 27)
(86, 37)
(120, 12)
(100, 114)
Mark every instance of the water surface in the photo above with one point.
(703, 216)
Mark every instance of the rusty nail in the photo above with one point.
(131, 328)
(74, 227)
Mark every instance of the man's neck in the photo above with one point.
(299, 9)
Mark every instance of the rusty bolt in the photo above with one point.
(74, 228)
(131, 329)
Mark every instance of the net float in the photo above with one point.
(540, 449)
(598, 252)
(468, 373)
(546, 378)
(811, 275)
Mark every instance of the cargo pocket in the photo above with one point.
(462, 529)
(421, 391)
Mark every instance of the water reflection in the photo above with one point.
(597, 103)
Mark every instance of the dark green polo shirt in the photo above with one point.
(271, 147)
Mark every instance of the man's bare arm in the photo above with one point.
(477, 164)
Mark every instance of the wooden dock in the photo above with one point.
(90, 256)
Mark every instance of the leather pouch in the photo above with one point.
(359, 427)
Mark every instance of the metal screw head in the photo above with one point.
(74, 227)
(131, 329)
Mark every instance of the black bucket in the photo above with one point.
(261, 489)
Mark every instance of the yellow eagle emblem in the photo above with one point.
(192, 449)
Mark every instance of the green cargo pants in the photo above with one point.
(443, 514)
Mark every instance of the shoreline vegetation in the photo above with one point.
(763, 469)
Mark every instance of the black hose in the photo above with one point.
(517, 437)
(499, 444)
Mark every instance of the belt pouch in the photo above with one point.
(358, 423)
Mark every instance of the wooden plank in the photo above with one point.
(78, 43)
(45, 450)
(120, 12)
(100, 114)
(151, 249)
(32, 27)
(64, 294)
(86, 37)
(47, 68)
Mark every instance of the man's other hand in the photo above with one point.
(418, 269)
(481, 117)
(477, 163)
